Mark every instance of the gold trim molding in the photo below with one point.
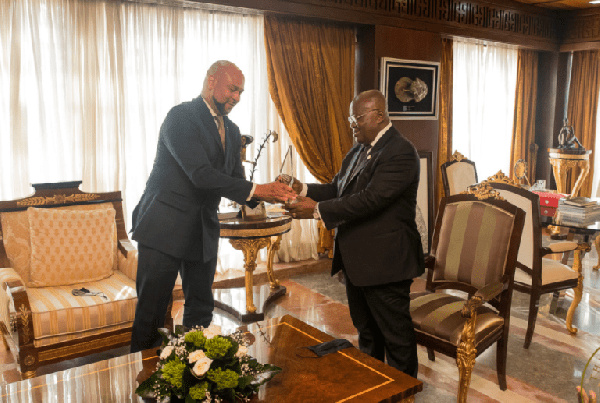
(500, 177)
(483, 191)
(462, 13)
(57, 199)
(458, 157)
(101, 342)
(262, 232)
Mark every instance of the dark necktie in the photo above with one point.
(221, 128)
(360, 161)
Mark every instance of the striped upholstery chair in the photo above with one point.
(474, 251)
(56, 241)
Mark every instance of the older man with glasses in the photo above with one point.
(372, 204)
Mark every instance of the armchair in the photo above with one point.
(458, 174)
(535, 275)
(466, 306)
(56, 241)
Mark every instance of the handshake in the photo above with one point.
(285, 189)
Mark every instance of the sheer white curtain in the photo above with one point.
(485, 78)
(85, 85)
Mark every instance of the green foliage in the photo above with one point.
(217, 347)
(232, 376)
(172, 371)
(196, 338)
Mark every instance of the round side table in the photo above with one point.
(250, 236)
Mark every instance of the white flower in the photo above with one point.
(195, 356)
(166, 352)
(201, 366)
(212, 331)
(242, 351)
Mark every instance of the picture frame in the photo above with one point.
(424, 215)
(410, 87)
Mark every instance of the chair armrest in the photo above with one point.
(15, 306)
(127, 259)
(125, 247)
(9, 279)
(490, 291)
(561, 247)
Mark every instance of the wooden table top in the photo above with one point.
(345, 376)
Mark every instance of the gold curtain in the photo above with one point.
(445, 121)
(525, 106)
(583, 106)
(310, 67)
(311, 81)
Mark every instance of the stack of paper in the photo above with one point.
(581, 210)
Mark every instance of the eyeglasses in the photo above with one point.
(354, 119)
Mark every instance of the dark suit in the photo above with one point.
(377, 243)
(176, 223)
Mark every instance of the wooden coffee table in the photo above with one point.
(345, 376)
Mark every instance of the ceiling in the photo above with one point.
(561, 4)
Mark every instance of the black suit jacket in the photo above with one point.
(177, 214)
(377, 239)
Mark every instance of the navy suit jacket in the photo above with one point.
(377, 240)
(177, 214)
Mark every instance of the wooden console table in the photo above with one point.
(250, 236)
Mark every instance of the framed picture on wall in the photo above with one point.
(410, 88)
(424, 216)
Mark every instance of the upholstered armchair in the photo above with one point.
(535, 275)
(55, 242)
(458, 174)
(466, 306)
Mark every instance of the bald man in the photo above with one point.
(371, 203)
(175, 222)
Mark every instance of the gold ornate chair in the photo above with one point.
(458, 174)
(54, 242)
(466, 307)
(535, 274)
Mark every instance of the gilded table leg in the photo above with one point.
(560, 174)
(585, 168)
(597, 245)
(250, 247)
(577, 266)
(273, 247)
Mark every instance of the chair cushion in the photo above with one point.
(468, 248)
(59, 316)
(460, 176)
(16, 239)
(71, 246)
(553, 271)
(439, 315)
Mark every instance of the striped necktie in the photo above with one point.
(221, 128)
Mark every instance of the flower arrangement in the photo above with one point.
(201, 365)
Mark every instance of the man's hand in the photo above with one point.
(274, 192)
(302, 207)
(290, 181)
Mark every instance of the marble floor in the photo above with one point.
(548, 371)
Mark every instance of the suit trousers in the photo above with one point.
(381, 314)
(156, 276)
